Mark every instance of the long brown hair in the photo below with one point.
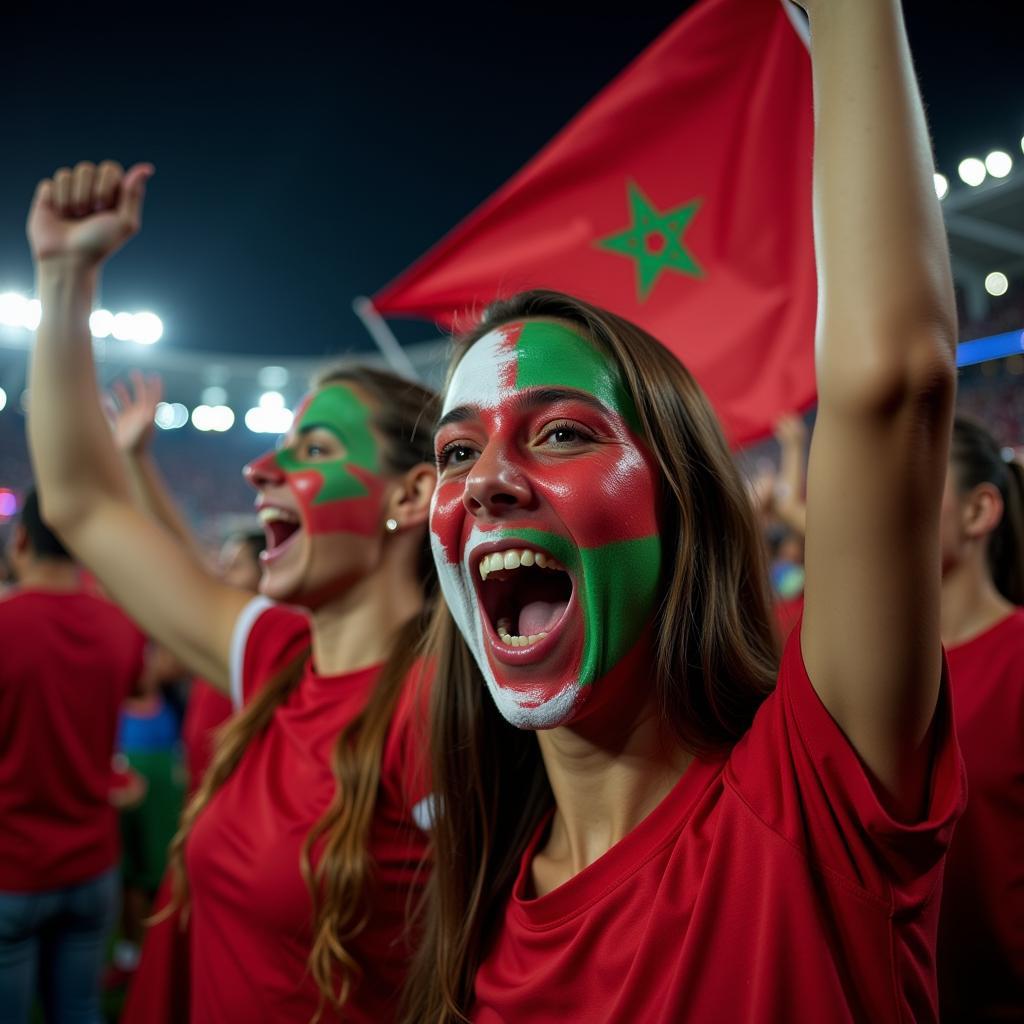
(404, 415)
(978, 459)
(716, 657)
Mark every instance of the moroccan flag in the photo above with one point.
(680, 198)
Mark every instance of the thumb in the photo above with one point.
(133, 191)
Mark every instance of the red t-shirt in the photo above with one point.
(207, 709)
(768, 886)
(251, 914)
(67, 661)
(981, 927)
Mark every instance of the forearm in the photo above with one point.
(883, 262)
(75, 460)
(789, 489)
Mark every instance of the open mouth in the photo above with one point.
(280, 527)
(524, 593)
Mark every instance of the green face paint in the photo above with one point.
(592, 507)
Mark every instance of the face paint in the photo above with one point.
(592, 507)
(338, 495)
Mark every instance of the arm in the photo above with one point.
(133, 433)
(77, 220)
(788, 502)
(885, 363)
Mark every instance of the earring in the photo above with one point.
(391, 525)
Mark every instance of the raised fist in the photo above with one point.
(89, 212)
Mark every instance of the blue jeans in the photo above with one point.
(53, 942)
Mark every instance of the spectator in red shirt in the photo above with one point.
(69, 660)
(981, 926)
(650, 819)
(300, 855)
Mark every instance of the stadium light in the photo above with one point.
(171, 415)
(213, 395)
(18, 311)
(272, 377)
(147, 328)
(221, 418)
(996, 283)
(201, 417)
(262, 420)
(8, 503)
(32, 315)
(941, 185)
(123, 327)
(998, 163)
(101, 323)
(3, 399)
(271, 400)
(972, 171)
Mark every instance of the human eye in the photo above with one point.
(455, 453)
(565, 434)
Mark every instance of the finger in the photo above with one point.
(81, 187)
(122, 394)
(156, 389)
(139, 384)
(108, 177)
(133, 192)
(44, 194)
(62, 191)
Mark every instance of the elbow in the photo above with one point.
(883, 376)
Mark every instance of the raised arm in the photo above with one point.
(133, 434)
(788, 496)
(78, 219)
(885, 362)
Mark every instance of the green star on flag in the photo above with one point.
(654, 240)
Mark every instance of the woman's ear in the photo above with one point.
(409, 504)
(983, 511)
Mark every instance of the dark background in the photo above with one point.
(302, 161)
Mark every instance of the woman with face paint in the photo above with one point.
(300, 854)
(981, 926)
(641, 814)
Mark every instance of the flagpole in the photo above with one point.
(388, 344)
(995, 346)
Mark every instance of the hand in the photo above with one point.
(87, 213)
(133, 414)
(761, 488)
(791, 431)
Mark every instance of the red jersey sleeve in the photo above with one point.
(266, 638)
(796, 770)
(405, 767)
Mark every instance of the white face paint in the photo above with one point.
(485, 375)
(523, 708)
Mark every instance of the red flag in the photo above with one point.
(680, 198)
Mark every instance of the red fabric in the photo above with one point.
(207, 709)
(981, 927)
(251, 913)
(717, 110)
(67, 661)
(787, 614)
(159, 991)
(768, 886)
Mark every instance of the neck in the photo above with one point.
(607, 773)
(50, 574)
(356, 629)
(971, 603)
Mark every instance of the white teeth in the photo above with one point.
(269, 514)
(516, 641)
(514, 558)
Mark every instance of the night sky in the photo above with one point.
(301, 162)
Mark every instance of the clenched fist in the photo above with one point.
(88, 212)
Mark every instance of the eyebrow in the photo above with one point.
(329, 427)
(528, 400)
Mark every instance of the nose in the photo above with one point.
(264, 471)
(495, 485)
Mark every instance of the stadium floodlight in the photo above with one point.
(213, 395)
(123, 327)
(996, 283)
(147, 328)
(13, 309)
(972, 171)
(272, 377)
(171, 415)
(998, 163)
(941, 185)
(3, 399)
(32, 314)
(261, 420)
(221, 418)
(201, 417)
(271, 400)
(8, 503)
(101, 323)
